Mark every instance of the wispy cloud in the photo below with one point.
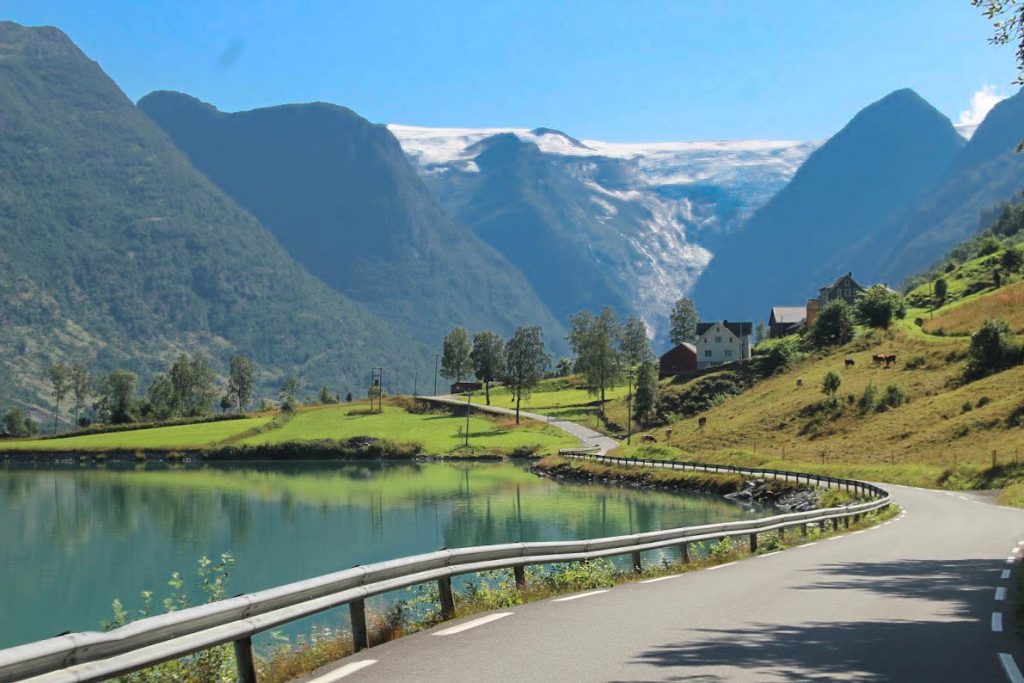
(982, 102)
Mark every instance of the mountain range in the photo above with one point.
(321, 244)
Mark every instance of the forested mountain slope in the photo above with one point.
(115, 251)
(341, 196)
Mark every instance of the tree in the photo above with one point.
(227, 402)
(830, 384)
(289, 388)
(1012, 259)
(455, 360)
(327, 398)
(941, 289)
(878, 306)
(525, 362)
(563, 368)
(760, 332)
(18, 424)
(488, 356)
(633, 342)
(59, 376)
(194, 390)
(161, 399)
(594, 340)
(646, 392)
(240, 381)
(80, 387)
(116, 396)
(684, 319)
(834, 326)
(992, 349)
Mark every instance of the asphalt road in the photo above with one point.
(911, 600)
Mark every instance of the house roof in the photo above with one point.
(685, 345)
(789, 314)
(839, 279)
(738, 329)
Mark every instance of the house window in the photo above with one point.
(728, 353)
(718, 340)
(707, 353)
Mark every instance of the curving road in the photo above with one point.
(925, 597)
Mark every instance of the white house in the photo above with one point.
(723, 342)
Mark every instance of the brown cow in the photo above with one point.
(849, 362)
(702, 422)
(648, 438)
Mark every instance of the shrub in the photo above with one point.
(868, 398)
(723, 550)
(834, 326)
(830, 384)
(941, 290)
(983, 401)
(879, 306)
(915, 362)
(1012, 259)
(892, 397)
(773, 355)
(17, 423)
(992, 349)
(988, 245)
(966, 407)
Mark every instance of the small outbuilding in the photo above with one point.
(464, 387)
(785, 320)
(679, 360)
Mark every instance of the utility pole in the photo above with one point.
(436, 356)
(377, 384)
(469, 405)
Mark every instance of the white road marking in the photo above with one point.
(1015, 550)
(997, 622)
(858, 532)
(963, 497)
(473, 624)
(1011, 559)
(342, 672)
(770, 554)
(1005, 574)
(806, 545)
(719, 566)
(580, 595)
(887, 524)
(1000, 594)
(662, 578)
(1010, 667)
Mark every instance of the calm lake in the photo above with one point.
(76, 537)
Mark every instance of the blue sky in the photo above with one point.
(622, 71)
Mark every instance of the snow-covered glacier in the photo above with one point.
(648, 215)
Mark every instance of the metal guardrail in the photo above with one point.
(95, 656)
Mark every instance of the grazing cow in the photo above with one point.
(799, 381)
(877, 358)
(890, 359)
(648, 438)
(849, 362)
(702, 422)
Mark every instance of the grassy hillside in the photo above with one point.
(567, 398)
(437, 433)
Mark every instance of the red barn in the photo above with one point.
(678, 360)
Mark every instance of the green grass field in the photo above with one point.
(157, 438)
(562, 397)
(438, 433)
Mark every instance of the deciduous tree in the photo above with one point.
(646, 392)
(594, 341)
(525, 362)
(684, 321)
(59, 376)
(834, 327)
(879, 306)
(240, 381)
(80, 388)
(116, 396)
(455, 360)
(633, 342)
(488, 356)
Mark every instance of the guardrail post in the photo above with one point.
(444, 589)
(684, 553)
(243, 660)
(803, 529)
(357, 615)
(637, 564)
(846, 522)
(519, 571)
(753, 543)
(782, 534)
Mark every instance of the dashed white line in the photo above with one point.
(997, 622)
(580, 595)
(858, 532)
(472, 624)
(343, 671)
(1010, 667)
(962, 497)
(807, 545)
(1005, 574)
(1000, 594)
(719, 566)
(662, 578)
(770, 554)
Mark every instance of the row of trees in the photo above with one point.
(520, 362)
(604, 350)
